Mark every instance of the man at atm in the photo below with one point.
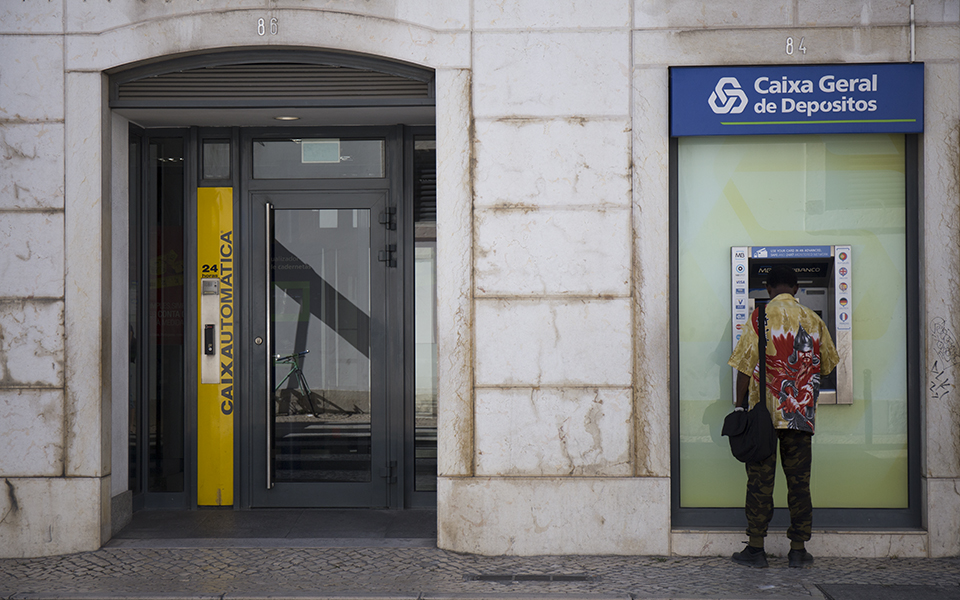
(799, 350)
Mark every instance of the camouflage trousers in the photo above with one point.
(795, 458)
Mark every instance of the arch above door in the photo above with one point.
(272, 86)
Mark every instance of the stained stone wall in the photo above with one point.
(553, 156)
(48, 457)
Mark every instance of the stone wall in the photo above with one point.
(552, 248)
(51, 461)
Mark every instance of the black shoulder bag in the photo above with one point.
(752, 436)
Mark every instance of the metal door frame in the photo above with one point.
(139, 460)
(393, 376)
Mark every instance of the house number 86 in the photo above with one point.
(262, 26)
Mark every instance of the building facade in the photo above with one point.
(406, 253)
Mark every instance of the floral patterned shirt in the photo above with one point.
(799, 349)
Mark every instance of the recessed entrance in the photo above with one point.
(280, 528)
(319, 390)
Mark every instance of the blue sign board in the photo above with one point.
(792, 99)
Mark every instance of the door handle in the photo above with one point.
(268, 377)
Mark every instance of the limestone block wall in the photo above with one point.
(62, 205)
(552, 462)
(938, 45)
(569, 413)
(553, 263)
(52, 467)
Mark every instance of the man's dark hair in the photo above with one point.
(781, 275)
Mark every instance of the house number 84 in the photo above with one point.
(800, 46)
(262, 26)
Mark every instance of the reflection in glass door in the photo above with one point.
(318, 426)
(158, 448)
(320, 344)
(340, 326)
(425, 312)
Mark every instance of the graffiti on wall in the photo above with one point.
(948, 355)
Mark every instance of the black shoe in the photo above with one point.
(799, 558)
(751, 557)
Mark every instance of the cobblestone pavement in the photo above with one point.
(377, 572)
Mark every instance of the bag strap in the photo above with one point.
(762, 331)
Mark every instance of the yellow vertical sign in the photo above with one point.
(216, 351)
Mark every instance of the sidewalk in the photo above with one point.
(355, 569)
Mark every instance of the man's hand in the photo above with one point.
(743, 390)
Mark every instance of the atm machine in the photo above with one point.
(824, 274)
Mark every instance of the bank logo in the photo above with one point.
(728, 100)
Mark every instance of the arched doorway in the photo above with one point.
(282, 252)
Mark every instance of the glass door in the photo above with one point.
(158, 445)
(318, 365)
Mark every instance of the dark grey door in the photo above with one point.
(318, 419)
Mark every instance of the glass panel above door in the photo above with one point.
(216, 159)
(328, 158)
(320, 272)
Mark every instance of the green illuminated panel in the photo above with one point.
(795, 190)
